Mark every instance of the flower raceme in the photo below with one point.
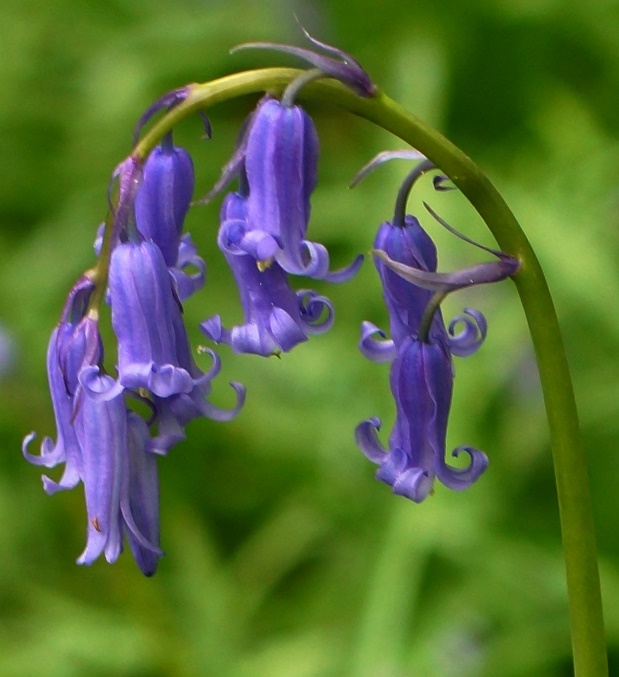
(103, 444)
(148, 267)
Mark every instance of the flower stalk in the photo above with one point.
(577, 525)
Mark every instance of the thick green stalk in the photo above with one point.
(587, 625)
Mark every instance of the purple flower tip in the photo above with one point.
(167, 101)
(146, 318)
(344, 68)
(421, 384)
(163, 198)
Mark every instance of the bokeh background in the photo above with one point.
(285, 558)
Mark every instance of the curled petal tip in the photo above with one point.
(316, 311)
(472, 334)
(367, 440)
(345, 274)
(379, 349)
(462, 478)
(225, 415)
(97, 386)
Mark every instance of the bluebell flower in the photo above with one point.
(163, 198)
(276, 317)
(114, 492)
(421, 384)
(411, 247)
(278, 159)
(281, 160)
(186, 283)
(74, 344)
(145, 312)
(420, 350)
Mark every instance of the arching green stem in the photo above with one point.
(585, 604)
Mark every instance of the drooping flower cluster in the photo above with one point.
(145, 274)
(420, 351)
(148, 267)
(101, 440)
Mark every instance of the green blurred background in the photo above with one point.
(284, 556)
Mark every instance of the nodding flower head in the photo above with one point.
(276, 160)
(421, 384)
(281, 159)
(74, 345)
(163, 198)
(114, 494)
(410, 245)
(144, 313)
(276, 317)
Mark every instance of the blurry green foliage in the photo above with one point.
(285, 558)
